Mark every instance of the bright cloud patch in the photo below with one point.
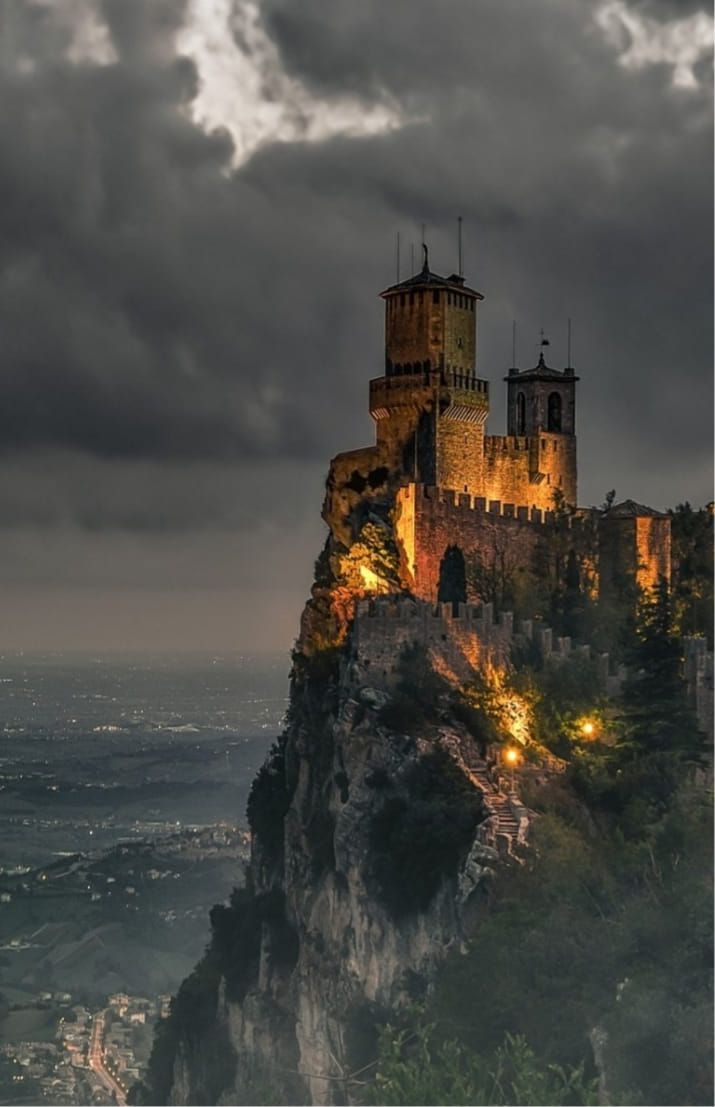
(641, 41)
(245, 88)
(89, 40)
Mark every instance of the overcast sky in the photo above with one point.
(198, 208)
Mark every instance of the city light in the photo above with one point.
(588, 729)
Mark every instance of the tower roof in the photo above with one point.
(427, 279)
(629, 508)
(542, 372)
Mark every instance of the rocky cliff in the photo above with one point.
(374, 834)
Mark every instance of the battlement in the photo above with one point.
(479, 505)
(506, 443)
(464, 501)
(462, 639)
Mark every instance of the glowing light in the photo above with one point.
(588, 729)
(512, 756)
(371, 580)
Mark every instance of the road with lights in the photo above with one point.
(96, 1060)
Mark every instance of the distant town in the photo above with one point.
(87, 1042)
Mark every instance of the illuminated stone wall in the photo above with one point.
(460, 454)
(634, 549)
(428, 520)
(652, 540)
(528, 470)
(461, 643)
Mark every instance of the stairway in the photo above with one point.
(497, 801)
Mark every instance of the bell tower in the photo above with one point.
(541, 407)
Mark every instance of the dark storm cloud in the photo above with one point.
(183, 345)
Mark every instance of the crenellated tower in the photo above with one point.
(430, 406)
(541, 416)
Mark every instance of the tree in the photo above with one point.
(415, 1067)
(656, 717)
(692, 555)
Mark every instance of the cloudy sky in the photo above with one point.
(198, 207)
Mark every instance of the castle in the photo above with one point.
(479, 501)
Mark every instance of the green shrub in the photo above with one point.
(415, 1066)
(420, 837)
(268, 802)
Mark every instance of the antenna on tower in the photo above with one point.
(459, 245)
(424, 228)
(568, 345)
(513, 343)
(397, 257)
(412, 258)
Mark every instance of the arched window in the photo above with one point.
(520, 414)
(554, 423)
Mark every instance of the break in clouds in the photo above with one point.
(198, 207)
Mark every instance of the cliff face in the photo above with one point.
(372, 839)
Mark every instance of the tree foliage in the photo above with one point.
(416, 1067)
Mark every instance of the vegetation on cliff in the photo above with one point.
(421, 835)
(597, 949)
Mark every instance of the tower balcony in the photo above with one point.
(406, 392)
(415, 391)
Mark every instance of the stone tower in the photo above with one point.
(541, 406)
(430, 407)
(634, 549)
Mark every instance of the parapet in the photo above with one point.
(462, 638)
(463, 502)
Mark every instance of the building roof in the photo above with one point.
(542, 371)
(427, 279)
(629, 509)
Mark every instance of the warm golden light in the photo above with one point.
(512, 756)
(371, 580)
(588, 729)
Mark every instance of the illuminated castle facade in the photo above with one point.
(452, 484)
(431, 406)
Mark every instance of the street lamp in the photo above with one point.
(511, 756)
(588, 729)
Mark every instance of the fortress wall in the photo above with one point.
(429, 519)
(506, 469)
(512, 460)
(472, 640)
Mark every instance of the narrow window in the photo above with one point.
(412, 298)
(520, 414)
(435, 297)
(554, 416)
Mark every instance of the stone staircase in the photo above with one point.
(506, 823)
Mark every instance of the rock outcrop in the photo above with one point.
(373, 842)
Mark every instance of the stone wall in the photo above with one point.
(427, 520)
(530, 469)
(461, 642)
(633, 549)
